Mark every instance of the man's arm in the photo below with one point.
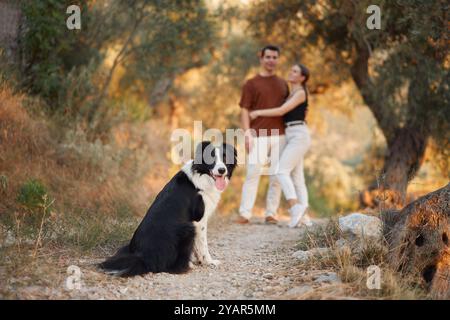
(245, 119)
(246, 103)
(245, 124)
(299, 97)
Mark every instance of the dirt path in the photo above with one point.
(256, 263)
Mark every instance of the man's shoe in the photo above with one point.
(271, 220)
(242, 220)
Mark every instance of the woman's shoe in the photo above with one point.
(307, 221)
(297, 211)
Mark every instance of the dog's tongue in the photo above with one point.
(220, 183)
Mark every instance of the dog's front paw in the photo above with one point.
(213, 263)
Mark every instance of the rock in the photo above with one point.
(320, 251)
(123, 290)
(285, 281)
(299, 291)
(301, 255)
(268, 276)
(341, 243)
(329, 277)
(266, 289)
(248, 293)
(361, 225)
(304, 256)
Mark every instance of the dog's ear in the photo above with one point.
(230, 155)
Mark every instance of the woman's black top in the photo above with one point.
(298, 113)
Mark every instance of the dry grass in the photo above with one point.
(351, 261)
(63, 192)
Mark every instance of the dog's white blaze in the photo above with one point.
(219, 163)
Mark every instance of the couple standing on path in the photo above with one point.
(273, 118)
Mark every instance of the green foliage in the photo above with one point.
(169, 39)
(401, 71)
(49, 50)
(224, 78)
(318, 202)
(76, 91)
(333, 185)
(32, 194)
(150, 42)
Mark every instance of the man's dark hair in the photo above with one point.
(269, 47)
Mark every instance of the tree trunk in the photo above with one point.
(404, 157)
(406, 145)
(418, 238)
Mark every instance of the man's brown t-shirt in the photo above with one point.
(264, 93)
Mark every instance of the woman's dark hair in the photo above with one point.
(305, 73)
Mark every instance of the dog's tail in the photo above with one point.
(124, 264)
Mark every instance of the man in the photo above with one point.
(264, 136)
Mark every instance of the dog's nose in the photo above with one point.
(221, 170)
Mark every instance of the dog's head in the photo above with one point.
(215, 161)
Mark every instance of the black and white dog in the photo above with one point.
(173, 233)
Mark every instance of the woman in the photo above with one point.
(290, 173)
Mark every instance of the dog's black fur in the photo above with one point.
(164, 240)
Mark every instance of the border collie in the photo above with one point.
(173, 234)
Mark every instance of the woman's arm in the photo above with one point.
(290, 104)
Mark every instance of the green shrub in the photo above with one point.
(33, 195)
(50, 51)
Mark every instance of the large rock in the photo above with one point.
(361, 226)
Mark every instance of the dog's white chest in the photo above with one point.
(204, 183)
(211, 200)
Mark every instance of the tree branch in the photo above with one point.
(360, 74)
